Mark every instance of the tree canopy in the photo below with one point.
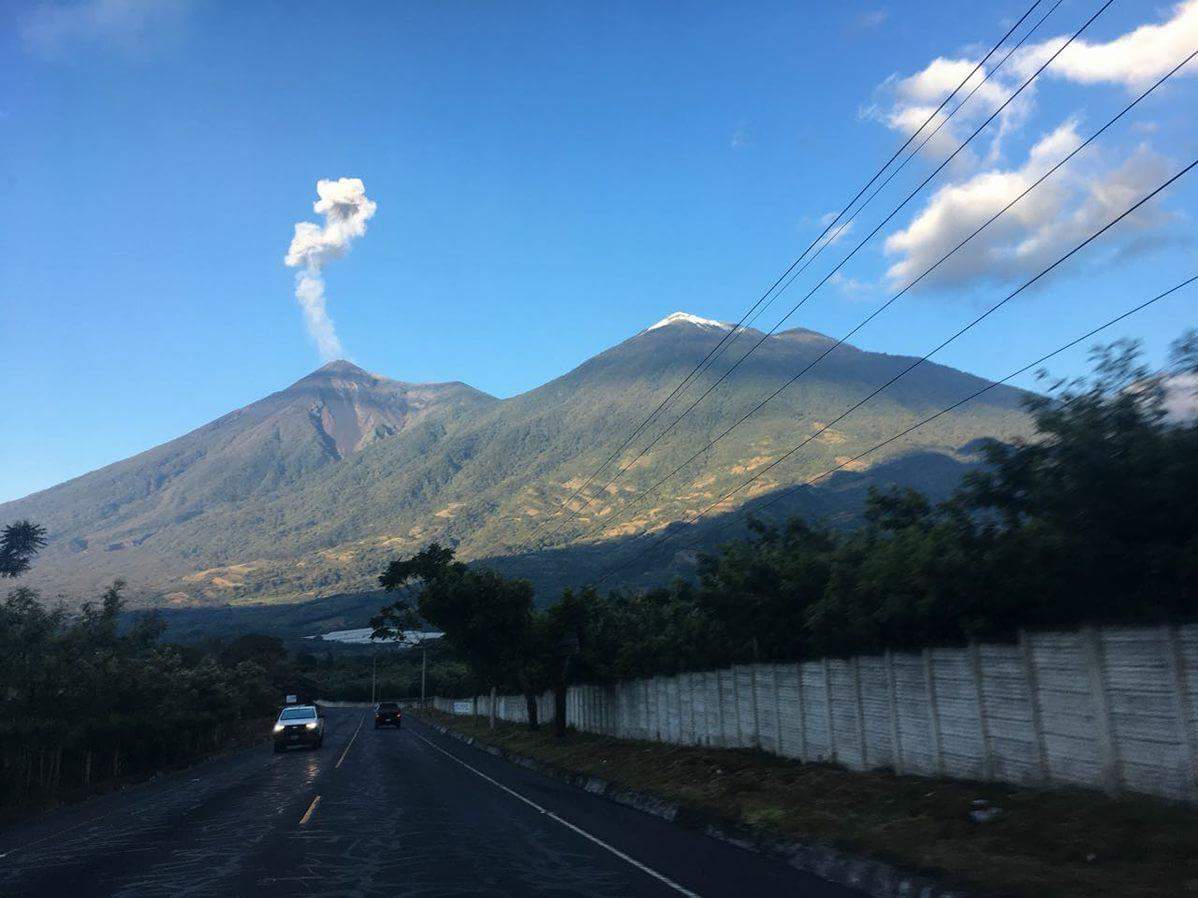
(19, 542)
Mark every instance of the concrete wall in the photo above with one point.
(1115, 709)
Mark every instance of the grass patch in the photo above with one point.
(1061, 842)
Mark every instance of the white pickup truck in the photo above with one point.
(299, 725)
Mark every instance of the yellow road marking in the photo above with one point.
(311, 809)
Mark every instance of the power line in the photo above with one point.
(994, 308)
(944, 411)
(918, 279)
(842, 262)
(893, 173)
(1026, 368)
(696, 370)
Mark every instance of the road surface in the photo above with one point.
(375, 812)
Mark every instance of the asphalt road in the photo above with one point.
(375, 812)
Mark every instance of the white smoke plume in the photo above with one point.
(346, 209)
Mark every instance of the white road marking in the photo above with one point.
(311, 810)
(682, 890)
(351, 742)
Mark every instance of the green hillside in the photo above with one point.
(310, 491)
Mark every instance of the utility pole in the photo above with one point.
(373, 659)
(423, 671)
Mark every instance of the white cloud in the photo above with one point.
(834, 232)
(53, 30)
(1059, 213)
(905, 104)
(1133, 60)
(850, 287)
(930, 85)
(346, 209)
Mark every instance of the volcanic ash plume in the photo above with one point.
(346, 209)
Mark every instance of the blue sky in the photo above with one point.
(549, 178)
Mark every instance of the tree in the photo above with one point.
(753, 596)
(399, 618)
(19, 542)
(1109, 485)
(268, 652)
(485, 617)
(399, 623)
(578, 645)
(85, 698)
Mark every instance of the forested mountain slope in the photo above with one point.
(310, 490)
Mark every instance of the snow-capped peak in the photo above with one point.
(685, 318)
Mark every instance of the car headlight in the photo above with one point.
(311, 725)
(278, 727)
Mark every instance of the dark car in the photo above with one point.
(387, 714)
(299, 725)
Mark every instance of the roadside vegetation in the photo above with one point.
(1067, 843)
(358, 676)
(1093, 520)
(96, 698)
(84, 704)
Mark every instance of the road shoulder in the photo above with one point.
(877, 832)
(686, 855)
(869, 875)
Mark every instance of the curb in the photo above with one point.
(875, 878)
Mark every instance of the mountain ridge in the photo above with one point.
(310, 489)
